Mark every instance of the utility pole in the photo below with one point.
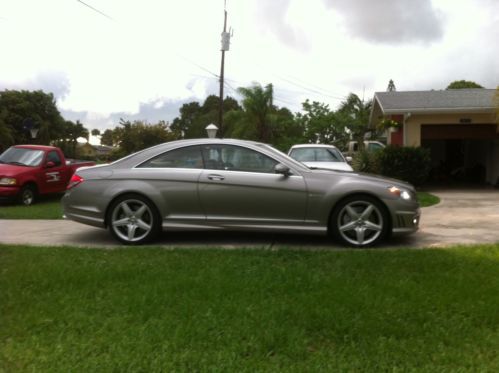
(225, 47)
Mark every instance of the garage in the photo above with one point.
(458, 126)
(461, 153)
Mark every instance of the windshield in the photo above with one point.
(22, 157)
(317, 155)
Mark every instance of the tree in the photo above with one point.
(107, 138)
(258, 105)
(354, 113)
(23, 109)
(322, 125)
(461, 84)
(195, 117)
(391, 86)
(95, 132)
(6, 138)
(68, 140)
(286, 130)
(134, 136)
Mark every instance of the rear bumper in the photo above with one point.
(82, 214)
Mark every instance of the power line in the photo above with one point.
(309, 89)
(95, 10)
(303, 85)
(311, 85)
(199, 66)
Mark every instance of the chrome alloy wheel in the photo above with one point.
(360, 223)
(132, 220)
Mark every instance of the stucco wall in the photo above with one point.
(414, 122)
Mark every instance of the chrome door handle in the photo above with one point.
(216, 177)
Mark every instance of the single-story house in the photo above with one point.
(459, 126)
(87, 150)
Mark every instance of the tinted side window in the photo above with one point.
(53, 156)
(188, 157)
(236, 158)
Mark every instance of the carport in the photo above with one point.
(457, 126)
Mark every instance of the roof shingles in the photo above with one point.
(457, 99)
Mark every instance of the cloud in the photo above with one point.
(390, 21)
(150, 112)
(56, 82)
(271, 16)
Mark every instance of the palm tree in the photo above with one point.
(73, 131)
(258, 105)
(356, 113)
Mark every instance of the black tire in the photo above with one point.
(27, 196)
(133, 220)
(360, 221)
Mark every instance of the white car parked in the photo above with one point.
(320, 156)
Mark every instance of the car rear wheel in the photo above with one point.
(133, 220)
(360, 221)
(27, 195)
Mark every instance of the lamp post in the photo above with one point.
(211, 130)
(29, 125)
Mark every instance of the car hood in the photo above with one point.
(340, 166)
(388, 180)
(10, 170)
(364, 177)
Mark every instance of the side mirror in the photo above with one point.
(49, 164)
(349, 159)
(282, 169)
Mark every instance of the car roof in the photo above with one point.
(132, 159)
(313, 146)
(35, 147)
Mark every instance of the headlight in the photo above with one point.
(8, 181)
(402, 193)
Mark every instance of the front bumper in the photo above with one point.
(406, 222)
(8, 192)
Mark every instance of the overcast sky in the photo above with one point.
(143, 59)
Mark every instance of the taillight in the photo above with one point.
(74, 181)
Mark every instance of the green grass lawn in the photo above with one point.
(426, 199)
(47, 207)
(152, 310)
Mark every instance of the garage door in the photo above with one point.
(458, 131)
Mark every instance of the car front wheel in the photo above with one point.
(133, 220)
(27, 195)
(360, 221)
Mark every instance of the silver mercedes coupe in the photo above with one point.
(222, 184)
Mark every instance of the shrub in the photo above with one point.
(366, 161)
(410, 164)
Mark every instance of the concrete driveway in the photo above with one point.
(462, 217)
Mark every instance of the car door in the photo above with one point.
(239, 185)
(53, 173)
(174, 176)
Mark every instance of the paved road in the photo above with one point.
(462, 217)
